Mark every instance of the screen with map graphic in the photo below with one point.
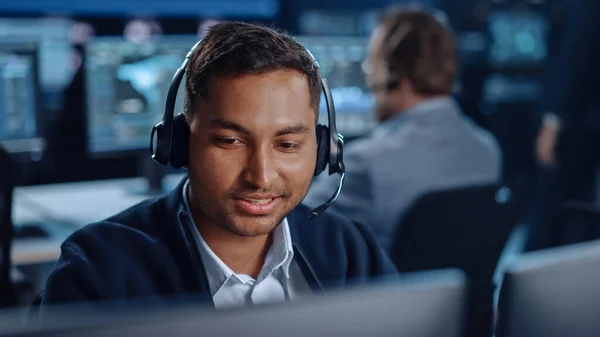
(126, 89)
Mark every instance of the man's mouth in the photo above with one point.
(261, 201)
(257, 205)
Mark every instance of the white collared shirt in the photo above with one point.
(280, 278)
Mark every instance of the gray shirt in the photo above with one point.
(430, 147)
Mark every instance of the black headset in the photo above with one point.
(397, 36)
(169, 138)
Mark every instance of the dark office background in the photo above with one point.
(500, 96)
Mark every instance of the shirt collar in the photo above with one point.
(423, 108)
(279, 255)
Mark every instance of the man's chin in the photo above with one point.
(253, 226)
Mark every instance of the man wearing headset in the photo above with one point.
(424, 142)
(233, 233)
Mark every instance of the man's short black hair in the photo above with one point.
(232, 49)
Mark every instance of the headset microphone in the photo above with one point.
(321, 208)
(170, 137)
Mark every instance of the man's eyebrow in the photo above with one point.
(299, 128)
(222, 123)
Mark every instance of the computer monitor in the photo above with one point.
(126, 88)
(57, 64)
(551, 293)
(518, 38)
(428, 304)
(20, 121)
(340, 60)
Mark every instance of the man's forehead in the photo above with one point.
(279, 106)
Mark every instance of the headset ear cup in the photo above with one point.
(322, 149)
(181, 137)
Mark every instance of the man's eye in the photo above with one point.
(290, 146)
(226, 141)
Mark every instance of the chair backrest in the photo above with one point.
(7, 293)
(464, 228)
(575, 222)
(33, 313)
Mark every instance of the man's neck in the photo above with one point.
(243, 255)
(410, 101)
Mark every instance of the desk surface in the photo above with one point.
(63, 208)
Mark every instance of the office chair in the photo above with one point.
(465, 228)
(7, 291)
(32, 316)
(575, 222)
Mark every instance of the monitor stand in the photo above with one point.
(153, 174)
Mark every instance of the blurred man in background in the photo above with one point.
(569, 138)
(568, 143)
(424, 142)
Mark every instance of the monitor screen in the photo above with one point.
(321, 22)
(126, 89)
(518, 38)
(424, 304)
(19, 98)
(177, 8)
(552, 293)
(340, 61)
(56, 62)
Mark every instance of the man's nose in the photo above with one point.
(261, 171)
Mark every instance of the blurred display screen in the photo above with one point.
(335, 17)
(499, 88)
(55, 51)
(327, 23)
(230, 8)
(340, 61)
(518, 38)
(19, 98)
(126, 89)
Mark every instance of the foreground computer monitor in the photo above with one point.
(20, 107)
(552, 293)
(429, 304)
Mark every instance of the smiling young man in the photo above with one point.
(234, 232)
